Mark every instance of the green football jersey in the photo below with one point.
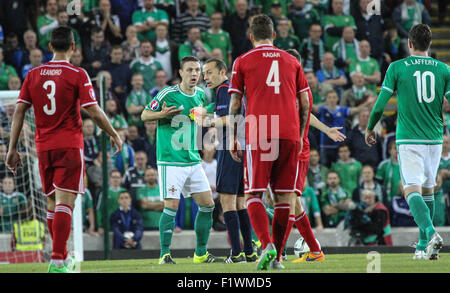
(42, 21)
(220, 40)
(336, 21)
(367, 66)
(148, 70)
(421, 83)
(142, 15)
(176, 136)
(87, 203)
(440, 208)
(10, 205)
(349, 174)
(290, 42)
(118, 121)
(301, 21)
(113, 204)
(310, 202)
(150, 218)
(388, 173)
(444, 163)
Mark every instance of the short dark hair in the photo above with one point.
(96, 30)
(124, 191)
(420, 36)
(61, 38)
(261, 27)
(295, 53)
(220, 65)
(115, 47)
(344, 145)
(188, 59)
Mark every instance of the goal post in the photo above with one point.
(27, 184)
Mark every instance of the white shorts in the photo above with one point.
(419, 164)
(176, 180)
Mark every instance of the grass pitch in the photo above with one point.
(334, 263)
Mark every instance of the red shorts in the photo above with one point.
(277, 166)
(303, 167)
(62, 169)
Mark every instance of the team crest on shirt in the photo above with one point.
(172, 189)
(92, 94)
(154, 105)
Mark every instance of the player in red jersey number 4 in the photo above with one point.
(57, 90)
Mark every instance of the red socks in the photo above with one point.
(259, 219)
(279, 225)
(61, 230)
(304, 227)
(291, 222)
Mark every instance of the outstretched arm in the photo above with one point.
(333, 132)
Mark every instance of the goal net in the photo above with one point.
(24, 236)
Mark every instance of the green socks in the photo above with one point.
(429, 201)
(202, 227)
(421, 214)
(166, 226)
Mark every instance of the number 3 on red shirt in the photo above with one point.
(51, 96)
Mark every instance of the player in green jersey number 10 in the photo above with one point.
(421, 83)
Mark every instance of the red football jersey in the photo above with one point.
(271, 80)
(56, 90)
(304, 155)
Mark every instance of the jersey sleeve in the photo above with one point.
(222, 102)
(237, 78)
(85, 90)
(24, 95)
(447, 85)
(389, 79)
(302, 83)
(156, 103)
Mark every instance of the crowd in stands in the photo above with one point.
(137, 45)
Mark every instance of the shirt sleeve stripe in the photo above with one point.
(23, 101)
(234, 90)
(88, 104)
(305, 89)
(447, 93)
(388, 89)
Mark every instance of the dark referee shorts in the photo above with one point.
(230, 174)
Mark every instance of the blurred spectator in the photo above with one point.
(10, 47)
(166, 51)
(146, 19)
(134, 176)
(303, 15)
(444, 164)
(35, 59)
(146, 64)
(311, 205)
(28, 232)
(136, 142)
(441, 204)
(125, 159)
(318, 90)
(47, 22)
(393, 48)
(268, 4)
(192, 16)
(312, 49)
(335, 22)
(3, 169)
(276, 13)
(408, 14)
(77, 58)
(236, 25)
(6, 71)
(21, 57)
(87, 211)
(117, 120)
(12, 204)
(335, 201)
(150, 202)
(126, 224)
(215, 37)
(358, 93)
(317, 173)
(109, 94)
(120, 73)
(369, 221)
(91, 142)
(13, 15)
(346, 49)
(367, 65)
(109, 23)
(358, 147)
(193, 46)
(161, 82)
(333, 115)
(85, 20)
(348, 169)
(401, 215)
(329, 73)
(150, 137)
(186, 213)
(63, 19)
(124, 10)
(368, 182)
(130, 45)
(137, 100)
(388, 174)
(14, 83)
(96, 52)
(114, 189)
(94, 173)
(285, 40)
(370, 28)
